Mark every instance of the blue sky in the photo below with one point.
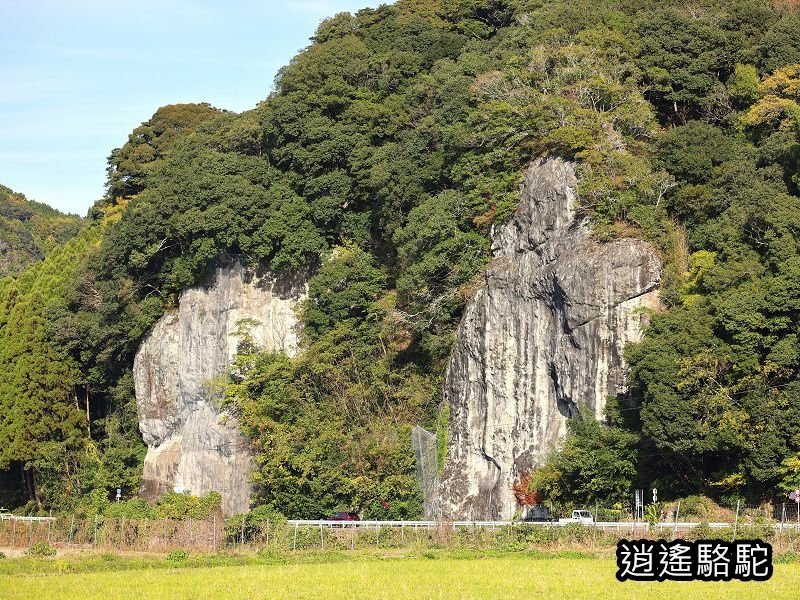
(76, 76)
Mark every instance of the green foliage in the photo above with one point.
(743, 84)
(29, 230)
(685, 61)
(652, 514)
(780, 45)
(789, 472)
(343, 290)
(696, 507)
(325, 426)
(149, 144)
(44, 431)
(439, 254)
(135, 508)
(177, 556)
(171, 505)
(702, 532)
(254, 522)
(717, 371)
(41, 550)
(595, 463)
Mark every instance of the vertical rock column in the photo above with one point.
(179, 376)
(541, 341)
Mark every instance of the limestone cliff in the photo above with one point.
(539, 342)
(179, 370)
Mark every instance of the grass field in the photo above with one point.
(507, 577)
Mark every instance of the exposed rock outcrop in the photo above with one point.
(194, 445)
(540, 341)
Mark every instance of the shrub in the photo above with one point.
(271, 555)
(174, 505)
(135, 508)
(694, 506)
(255, 522)
(63, 566)
(543, 535)
(94, 503)
(652, 515)
(41, 550)
(576, 532)
(177, 556)
(2, 555)
(704, 532)
(701, 532)
(515, 546)
(761, 528)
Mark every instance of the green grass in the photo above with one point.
(426, 576)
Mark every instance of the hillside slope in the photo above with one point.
(28, 230)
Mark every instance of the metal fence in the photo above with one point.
(787, 512)
(425, 452)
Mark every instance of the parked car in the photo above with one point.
(579, 516)
(344, 516)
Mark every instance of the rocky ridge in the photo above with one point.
(540, 342)
(179, 373)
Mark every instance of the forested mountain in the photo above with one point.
(29, 230)
(389, 148)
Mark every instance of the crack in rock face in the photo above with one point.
(541, 341)
(179, 374)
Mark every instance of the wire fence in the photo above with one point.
(684, 511)
(778, 524)
(137, 535)
(208, 536)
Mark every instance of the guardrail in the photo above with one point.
(605, 525)
(16, 518)
(161, 535)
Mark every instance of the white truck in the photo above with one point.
(579, 516)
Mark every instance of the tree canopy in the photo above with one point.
(29, 230)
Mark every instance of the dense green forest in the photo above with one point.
(29, 230)
(388, 149)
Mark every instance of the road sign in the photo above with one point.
(795, 495)
(655, 495)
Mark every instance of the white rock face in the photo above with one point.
(540, 342)
(179, 374)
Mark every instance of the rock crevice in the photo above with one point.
(541, 341)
